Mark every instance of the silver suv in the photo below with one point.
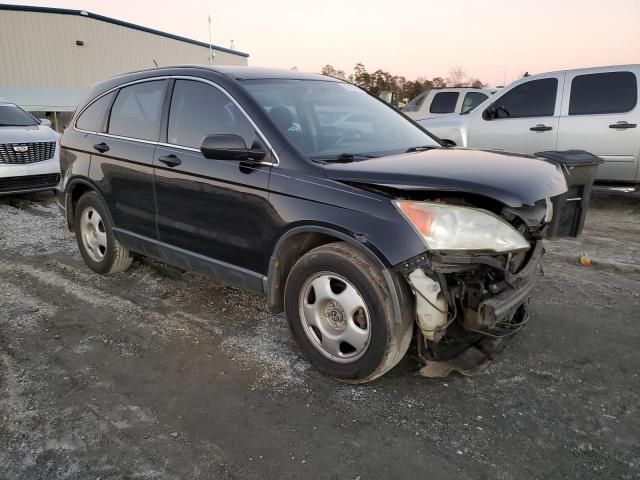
(592, 109)
(29, 152)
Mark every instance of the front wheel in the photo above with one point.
(338, 306)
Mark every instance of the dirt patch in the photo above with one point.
(159, 373)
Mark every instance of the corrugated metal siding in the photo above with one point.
(39, 50)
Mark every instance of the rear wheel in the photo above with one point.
(338, 307)
(98, 246)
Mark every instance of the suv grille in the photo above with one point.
(22, 153)
(29, 182)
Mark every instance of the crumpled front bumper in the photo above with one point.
(467, 306)
(503, 305)
(479, 293)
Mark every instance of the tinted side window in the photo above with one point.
(94, 117)
(444, 102)
(137, 110)
(613, 92)
(198, 110)
(536, 98)
(472, 100)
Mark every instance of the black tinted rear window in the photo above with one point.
(137, 110)
(444, 102)
(93, 118)
(611, 92)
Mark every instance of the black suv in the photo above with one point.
(345, 213)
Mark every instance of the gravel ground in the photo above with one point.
(161, 374)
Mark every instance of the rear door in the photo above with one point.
(216, 209)
(122, 158)
(526, 119)
(600, 114)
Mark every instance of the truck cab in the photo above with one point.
(593, 109)
(442, 101)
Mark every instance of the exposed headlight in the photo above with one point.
(451, 227)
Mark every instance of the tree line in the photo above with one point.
(402, 89)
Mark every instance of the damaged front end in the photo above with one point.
(469, 301)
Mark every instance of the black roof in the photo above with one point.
(247, 73)
(114, 21)
(235, 72)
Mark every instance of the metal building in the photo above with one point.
(50, 56)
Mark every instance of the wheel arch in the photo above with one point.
(76, 188)
(297, 241)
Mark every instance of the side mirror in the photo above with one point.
(448, 143)
(45, 122)
(490, 112)
(229, 147)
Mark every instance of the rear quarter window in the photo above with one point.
(93, 118)
(597, 93)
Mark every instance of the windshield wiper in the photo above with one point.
(345, 158)
(421, 148)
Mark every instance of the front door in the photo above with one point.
(524, 118)
(601, 115)
(208, 208)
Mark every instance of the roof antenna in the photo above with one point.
(155, 63)
(211, 54)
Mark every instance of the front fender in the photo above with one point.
(274, 282)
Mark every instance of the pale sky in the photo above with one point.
(495, 40)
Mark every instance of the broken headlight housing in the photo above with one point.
(453, 227)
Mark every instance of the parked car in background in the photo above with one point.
(592, 109)
(356, 233)
(432, 103)
(29, 152)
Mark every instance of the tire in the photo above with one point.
(99, 248)
(323, 290)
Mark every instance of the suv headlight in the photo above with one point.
(451, 227)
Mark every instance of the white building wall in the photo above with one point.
(38, 52)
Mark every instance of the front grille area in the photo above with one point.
(29, 182)
(23, 153)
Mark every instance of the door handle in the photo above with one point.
(170, 160)
(541, 128)
(622, 125)
(101, 147)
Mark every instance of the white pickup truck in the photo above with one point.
(592, 109)
(441, 101)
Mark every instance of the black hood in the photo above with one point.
(512, 179)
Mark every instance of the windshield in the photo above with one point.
(326, 119)
(14, 116)
(415, 104)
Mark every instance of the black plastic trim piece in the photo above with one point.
(222, 271)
